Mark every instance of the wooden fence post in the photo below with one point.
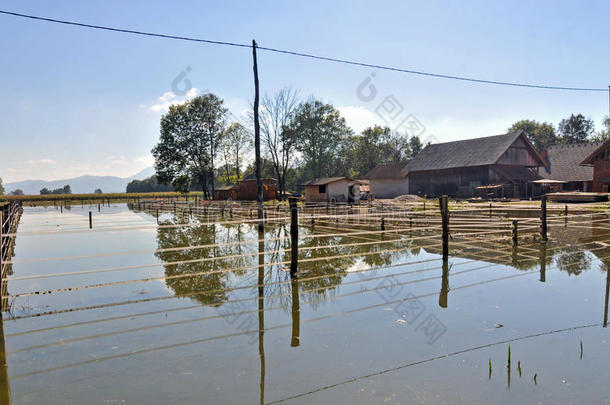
(515, 232)
(444, 206)
(565, 214)
(294, 236)
(90, 221)
(490, 210)
(543, 227)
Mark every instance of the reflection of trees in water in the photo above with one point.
(572, 260)
(219, 270)
(188, 236)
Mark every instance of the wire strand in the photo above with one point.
(306, 55)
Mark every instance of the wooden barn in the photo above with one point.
(247, 190)
(563, 164)
(599, 159)
(332, 189)
(507, 162)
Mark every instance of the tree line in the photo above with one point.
(574, 129)
(199, 147)
(62, 190)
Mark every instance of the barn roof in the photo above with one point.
(591, 157)
(391, 171)
(225, 188)
(467, 153)
(323, 180)
(563, 162)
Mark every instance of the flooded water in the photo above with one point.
(124, 314)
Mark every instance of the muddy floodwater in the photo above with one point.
(134, 313)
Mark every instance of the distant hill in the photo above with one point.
(82, 184)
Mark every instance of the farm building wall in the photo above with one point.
(459, 181)
(389, 188)
(335, 191)
(518, 154)
(312, 193)
(601, 170)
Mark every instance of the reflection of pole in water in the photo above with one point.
(443, 296)
(543, 262)
(261, 311)
(607, 291)
(296, 314)
(5, 392)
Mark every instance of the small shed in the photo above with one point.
(332, 189)
(225, 193)
(388, 181)
(246, 190)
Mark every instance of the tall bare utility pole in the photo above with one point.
(257, 143)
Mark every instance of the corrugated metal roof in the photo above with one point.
(466, 153)
(391, 171)
(563, 162)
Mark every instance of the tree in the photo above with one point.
(415, 146)
(62, 190)
(604, 134)
(190, 136)
(278, 140)
(1, 188)
(98, 191)
(320, 132)
(148, 185)
(236, 140)
(576, 129)
(17, 192)
(541, 135)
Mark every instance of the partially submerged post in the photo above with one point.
(90, 220)
(296, 313)
(294, 236)
(444, 206)
(515, 232)
(543, 227)
(565, 214)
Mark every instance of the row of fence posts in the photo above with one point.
(444, 211)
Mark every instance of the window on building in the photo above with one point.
(322, 189)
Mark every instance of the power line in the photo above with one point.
(306, 55)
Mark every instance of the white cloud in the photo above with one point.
(359, 118)
(169, 98)
(44, 161)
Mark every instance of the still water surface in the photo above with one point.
(386, 322)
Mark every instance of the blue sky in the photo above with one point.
(77, 101)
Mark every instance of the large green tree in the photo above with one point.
(320, 133)
(540, 134)
(1, 187)
(191, 134)
(576, 129)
